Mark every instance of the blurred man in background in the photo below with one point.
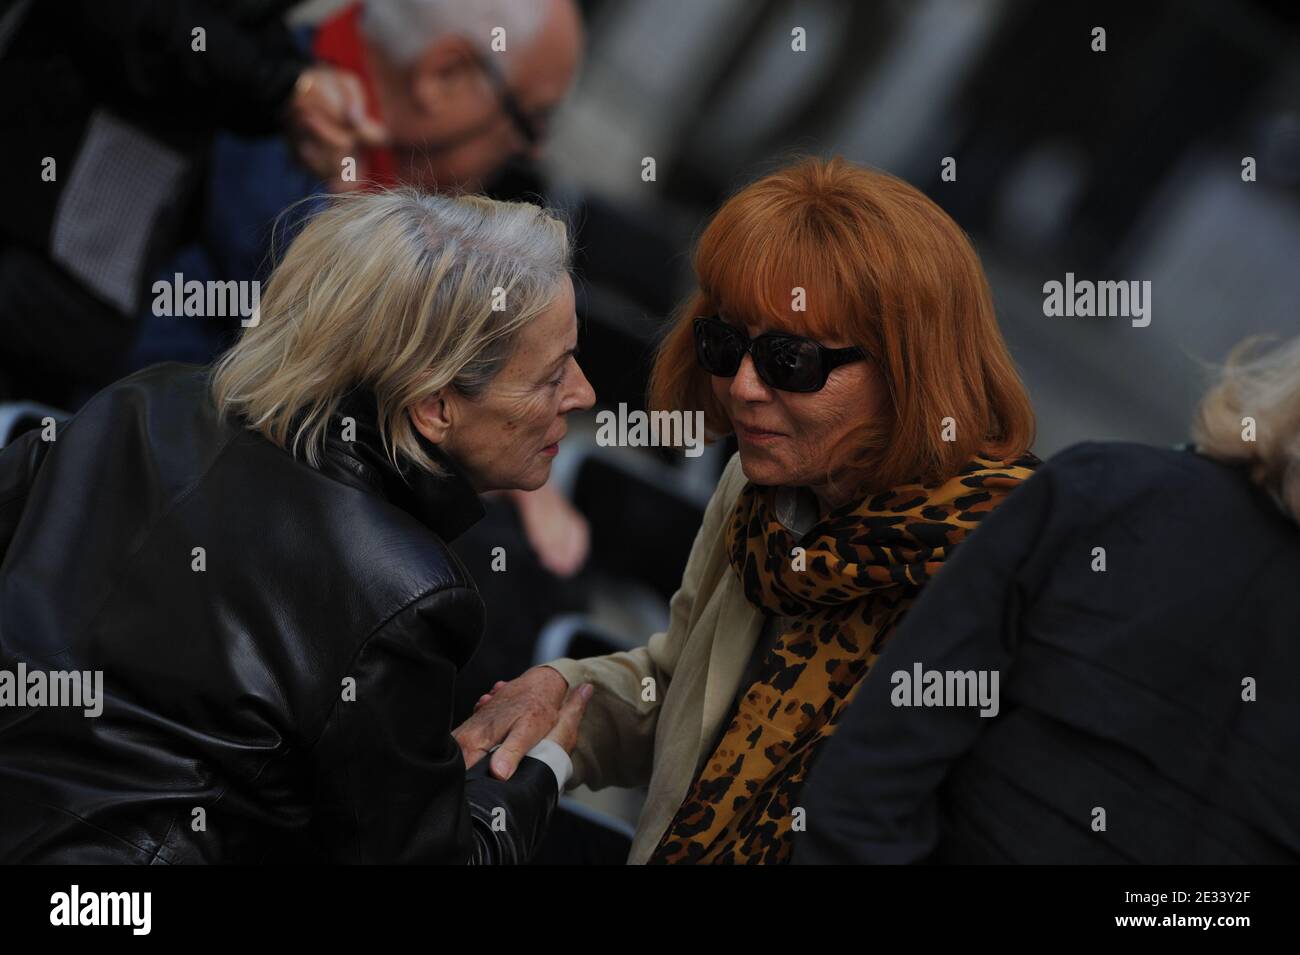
(463, 86)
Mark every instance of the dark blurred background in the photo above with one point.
(1124, 164)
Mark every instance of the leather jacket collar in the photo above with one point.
(447, 505)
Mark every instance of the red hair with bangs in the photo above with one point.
(883, 268)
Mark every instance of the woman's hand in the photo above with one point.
(520, 713)
(565, 732)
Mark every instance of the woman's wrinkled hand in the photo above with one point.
(565, 731)
(518, 715)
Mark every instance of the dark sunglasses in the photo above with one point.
(785, 362)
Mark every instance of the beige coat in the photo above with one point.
(631, 739)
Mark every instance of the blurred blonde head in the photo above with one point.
(1263, 385)
(394, 291)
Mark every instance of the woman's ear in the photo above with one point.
(433, 416)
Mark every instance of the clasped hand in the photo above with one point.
(519, 714)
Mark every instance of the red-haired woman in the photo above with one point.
(844, 330)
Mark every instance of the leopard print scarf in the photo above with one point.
(862, 567)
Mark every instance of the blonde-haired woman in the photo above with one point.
(1140, 607)
(256, 559)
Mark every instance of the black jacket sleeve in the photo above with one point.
(242, 78)
(510, 818)
(390, 779)
(19, 462)
(873, 797)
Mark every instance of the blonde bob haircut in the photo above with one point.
(1264, 385)
(402, 292)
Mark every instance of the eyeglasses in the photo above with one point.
(528, 128)
(785, 362)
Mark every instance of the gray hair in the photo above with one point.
(1263, 385)
(403, 292)
(404, 28)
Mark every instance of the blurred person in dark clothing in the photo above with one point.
(462, 85)
(108, 112)
(1140, 606)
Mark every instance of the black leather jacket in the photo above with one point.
(285, 693)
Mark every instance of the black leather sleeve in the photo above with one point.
(510, 817)
(18, 465)
(390, 780)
